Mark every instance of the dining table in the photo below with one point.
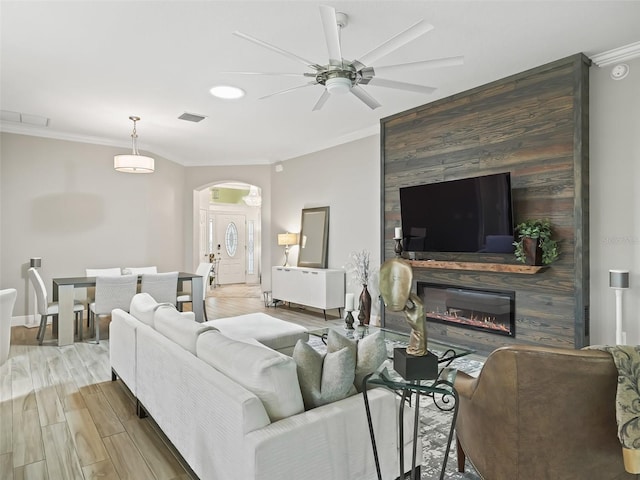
(63, 293)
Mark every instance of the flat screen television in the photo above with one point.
(467, 215)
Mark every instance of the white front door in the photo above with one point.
(230, 236)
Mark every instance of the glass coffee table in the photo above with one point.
(440, 388)
(446, 352)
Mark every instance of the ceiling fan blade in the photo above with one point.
(288, 90)
(411, 87)
(273, 74)
(287, 54)
(322, 100)
(395, 42)
(371, 102)
(331, 34)
(409, 67)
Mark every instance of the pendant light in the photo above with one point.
(254, 199)
(134, 162)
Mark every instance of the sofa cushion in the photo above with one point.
(369, 351)
(180, 327)
(143, 307)
(324, 378)
(268, 374)
(273, 332)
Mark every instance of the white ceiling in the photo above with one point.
(88, 66)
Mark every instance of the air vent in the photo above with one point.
(192, 117)
(25, 118)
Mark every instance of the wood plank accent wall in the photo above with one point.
(534, 125)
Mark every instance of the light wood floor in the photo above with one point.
(62, 418)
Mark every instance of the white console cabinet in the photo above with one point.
(314, 287)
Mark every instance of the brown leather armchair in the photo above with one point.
(538, 413)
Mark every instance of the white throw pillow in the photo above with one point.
(268, 374)
(180, 327)
(324, 378)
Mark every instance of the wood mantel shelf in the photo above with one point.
(479, 267)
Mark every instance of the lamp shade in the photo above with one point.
(287, 238)
(133, 163)
(619, 278)
(35, 262)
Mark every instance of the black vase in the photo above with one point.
(364, 315)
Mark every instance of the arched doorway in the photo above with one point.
(229, 229)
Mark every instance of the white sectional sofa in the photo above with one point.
(248, 422)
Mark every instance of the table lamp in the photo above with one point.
(287, 239)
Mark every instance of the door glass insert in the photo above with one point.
(231, 239)
(250, 248)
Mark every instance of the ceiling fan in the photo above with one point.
(341, 76)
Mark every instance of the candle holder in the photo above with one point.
(348, 321)
(398, 247)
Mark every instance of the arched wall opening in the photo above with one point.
(228, 230)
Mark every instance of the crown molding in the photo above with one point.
(617, 55)
(34, 131)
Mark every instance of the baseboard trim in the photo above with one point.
(25, 321)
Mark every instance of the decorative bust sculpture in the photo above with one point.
(396, 277)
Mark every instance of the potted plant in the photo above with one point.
(535, 245)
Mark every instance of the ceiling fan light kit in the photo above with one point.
(341, 76)
(338, 85)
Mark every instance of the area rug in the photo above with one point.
(434, 426)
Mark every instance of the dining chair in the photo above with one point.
(204, 270)
(103, 272)
(91, 291)
(111, 292)
(7, 301)
(139, 270)
(163, 287)
(48, 309)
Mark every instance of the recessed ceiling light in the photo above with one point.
(227, 92)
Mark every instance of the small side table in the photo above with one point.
(443, 385)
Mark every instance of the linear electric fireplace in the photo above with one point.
(491, 311)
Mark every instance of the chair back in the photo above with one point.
(103, 272)
(163, 287)
(41, 290)
(139, 270)
(7, 301)
(532, 403)
(114, 292)
(204, 270)
(90, 292)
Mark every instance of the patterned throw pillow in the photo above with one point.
(324, 378)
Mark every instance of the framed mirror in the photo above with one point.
(314, 237)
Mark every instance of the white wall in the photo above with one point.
(615, 198)
(63, 201)
(345, 178)
(42, 179)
